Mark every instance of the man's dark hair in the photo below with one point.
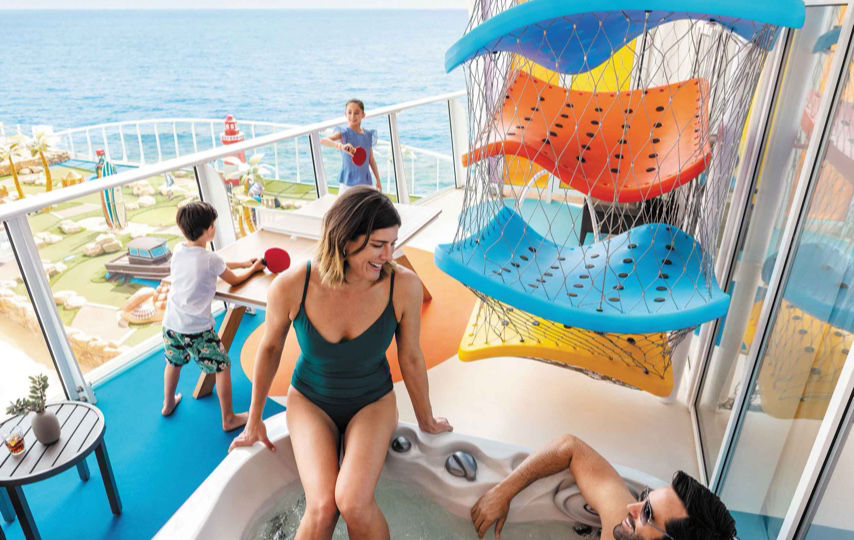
(708, 518)
(195, 218)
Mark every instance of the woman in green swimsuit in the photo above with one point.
(345, 308)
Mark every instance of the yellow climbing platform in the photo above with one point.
(638, 360)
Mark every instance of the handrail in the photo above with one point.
(120, 123)
(42, 200)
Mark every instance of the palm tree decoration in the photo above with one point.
(248, 173)
(10, 149)
(41, 143)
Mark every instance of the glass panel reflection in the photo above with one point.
(812, 52)
(810, 336)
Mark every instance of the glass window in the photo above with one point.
(809, 337)
(134, 252)
(780, 169)
(833, 518)
(158, 251)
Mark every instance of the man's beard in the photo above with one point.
(621, 534)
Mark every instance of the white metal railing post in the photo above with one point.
(213, 135)
(397, 160)
(139, 141)
(89, 144)
(106, 143)
(175, 138)
(459, 139)
(157, 140)
(296, 157)
(317, 164)
(71, 144)
(437, 173)
(193, 132)
(276, 160)
(41, 296)
(124, 148)
(2, 130)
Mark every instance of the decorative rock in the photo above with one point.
(61, 297)
(146, 200)
(92, 249)
(142, 188)
(75, 302)
(131, 206)
(68, 226)
(111, 246)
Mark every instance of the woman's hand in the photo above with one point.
(436, 425)
(489, 509)
(252, 433)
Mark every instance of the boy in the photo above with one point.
(188, 326)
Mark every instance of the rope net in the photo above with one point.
(601, 153)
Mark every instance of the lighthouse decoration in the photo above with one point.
(232, 135)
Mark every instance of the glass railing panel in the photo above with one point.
(810, 335)
(333, 159)
(833, 518)
(23, 351)
(780, 170)
(104, 275)
(425, 140)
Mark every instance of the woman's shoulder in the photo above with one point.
(406, 281)
(289, 283)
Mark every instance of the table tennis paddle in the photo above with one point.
(276, 260)
(359, 156)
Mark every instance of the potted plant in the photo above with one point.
(45, 424)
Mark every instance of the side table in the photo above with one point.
(82, 431)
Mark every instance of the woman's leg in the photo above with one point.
(365, 446)
(315, 441)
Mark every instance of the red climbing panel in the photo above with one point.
(616, 147)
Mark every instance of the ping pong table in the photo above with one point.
(297, 232)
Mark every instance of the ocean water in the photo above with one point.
(77, 68)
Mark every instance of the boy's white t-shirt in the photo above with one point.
(194, 272)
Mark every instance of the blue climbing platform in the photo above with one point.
(565, 36)
(648, 279)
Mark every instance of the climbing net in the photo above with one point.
(601, 154)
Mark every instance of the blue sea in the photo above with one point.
(77, 68)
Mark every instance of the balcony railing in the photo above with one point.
(206, 166)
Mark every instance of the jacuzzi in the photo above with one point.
(451, 470)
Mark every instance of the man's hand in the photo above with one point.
(252, 433)
(437, 425)
(489, 509)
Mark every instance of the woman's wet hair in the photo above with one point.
(708, 518)
(357, 102)
(194, 218)
(360, 211)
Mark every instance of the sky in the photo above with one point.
(234, 4)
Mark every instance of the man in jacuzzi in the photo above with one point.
(683, 510)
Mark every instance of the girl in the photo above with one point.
(348, 140)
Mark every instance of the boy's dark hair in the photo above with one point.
(357, 102)
(708, 518)
(194, 218)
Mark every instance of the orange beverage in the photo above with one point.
(14, 441)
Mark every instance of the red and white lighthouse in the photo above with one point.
(232, 135)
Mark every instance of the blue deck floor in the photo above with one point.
(158, 462)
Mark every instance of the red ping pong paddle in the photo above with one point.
(359, 156)
(276, 260)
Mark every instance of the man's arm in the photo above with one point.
(599, 483)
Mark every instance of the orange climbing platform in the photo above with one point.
(613, 146)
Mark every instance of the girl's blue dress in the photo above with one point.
(351, 174)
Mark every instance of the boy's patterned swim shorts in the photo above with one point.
(205, 348)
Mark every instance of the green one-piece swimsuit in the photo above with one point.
(343, 377)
